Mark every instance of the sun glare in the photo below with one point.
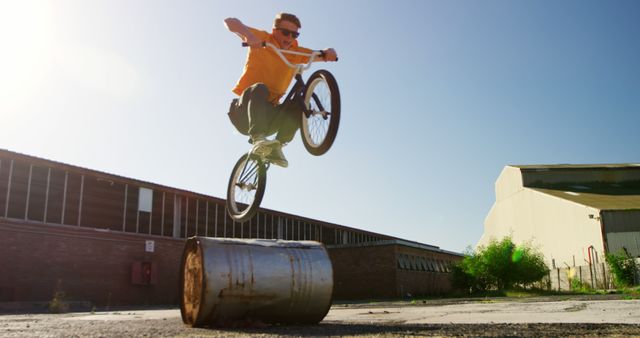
(26, 37)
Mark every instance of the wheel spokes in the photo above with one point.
(245, 186)
(319, 120)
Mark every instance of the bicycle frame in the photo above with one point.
(295, 94)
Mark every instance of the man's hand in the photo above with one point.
(236, 26)
(330, 55)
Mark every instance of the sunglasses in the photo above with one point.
(287, 32)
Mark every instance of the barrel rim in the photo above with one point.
(190, 243)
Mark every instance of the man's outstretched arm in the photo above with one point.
(236, 26)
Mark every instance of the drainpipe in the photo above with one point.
(592, 265)
(589, 250)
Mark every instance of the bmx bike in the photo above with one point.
(319, 102)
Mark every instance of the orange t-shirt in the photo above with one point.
(265, 66)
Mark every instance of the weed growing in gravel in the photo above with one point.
(58, 303)
(580, 287)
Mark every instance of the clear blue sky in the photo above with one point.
(437, 97)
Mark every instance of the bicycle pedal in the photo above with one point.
(262, 151)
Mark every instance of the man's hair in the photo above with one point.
(286, 17)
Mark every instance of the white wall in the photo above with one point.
(508, 183)
(559, 228)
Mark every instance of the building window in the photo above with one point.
(145, 197)
(402, 261)
(415, 263)
(434, 266)
(423, 264)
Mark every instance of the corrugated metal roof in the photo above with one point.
(577, 166)
(403, 242)
(596, 198)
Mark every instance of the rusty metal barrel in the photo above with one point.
(225, 280)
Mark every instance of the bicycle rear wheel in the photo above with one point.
(246, 188)
(321, 120)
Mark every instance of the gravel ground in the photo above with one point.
(175, 328)
(167, 323)
(39, 327)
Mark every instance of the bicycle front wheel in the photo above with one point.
(246, 188)
(322, 116)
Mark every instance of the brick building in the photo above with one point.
(112, 240)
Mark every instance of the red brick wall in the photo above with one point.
(96, 265)
(86, 264)
(363, 272)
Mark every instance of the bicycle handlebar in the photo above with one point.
(299, 67)
(244, 44)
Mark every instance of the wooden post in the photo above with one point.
(580, 271)
(604, 277)
(591, 268)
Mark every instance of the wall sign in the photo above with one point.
(149, 246)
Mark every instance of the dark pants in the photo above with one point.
(261, 117)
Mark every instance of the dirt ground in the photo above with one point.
(532, 317)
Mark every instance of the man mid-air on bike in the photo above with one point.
(265, 79)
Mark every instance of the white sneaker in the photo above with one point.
(263, 147)
(277, 156)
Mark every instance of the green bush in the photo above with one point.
(499, 266)
(623, 267)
